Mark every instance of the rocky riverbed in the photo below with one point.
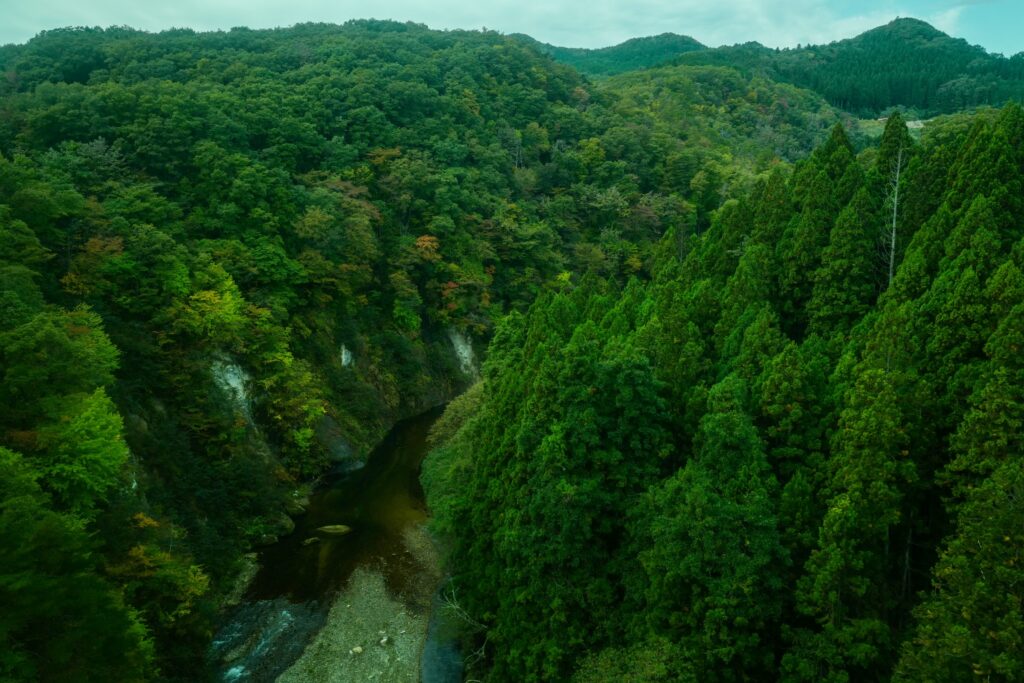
(352, 606)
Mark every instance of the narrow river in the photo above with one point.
(355, 606)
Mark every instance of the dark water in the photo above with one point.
(288, 601)
(378, 501)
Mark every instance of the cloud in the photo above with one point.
(948, 20)
(582, 23)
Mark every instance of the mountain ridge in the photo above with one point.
(905, 63)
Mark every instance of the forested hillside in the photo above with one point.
(635, 53)
(746, 413)
(793, 454)
(906, 63)
(232, 260)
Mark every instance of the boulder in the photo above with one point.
(266, 539)
(331, 436)
(249, 567)
(281, 524)
(294, 507)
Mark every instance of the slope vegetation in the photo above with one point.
(636, 53)
(905, 63)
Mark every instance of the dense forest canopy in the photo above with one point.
(636, 53)
(906, 63)
(750, 402)
(195, 224)
(773, 460)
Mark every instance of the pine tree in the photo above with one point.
(822, 187)
(845, 284)
(845, 589)
(710, 548)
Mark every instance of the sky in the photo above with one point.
(993, 24)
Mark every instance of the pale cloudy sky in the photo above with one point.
(995, 24)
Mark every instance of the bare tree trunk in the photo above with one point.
(889, 245)
(888, 237)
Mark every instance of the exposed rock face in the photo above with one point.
(464, 352)
(234, 382)
(329, 435)
(346, 356)
(250, 566)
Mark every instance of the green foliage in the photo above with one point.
(710, 547)
(636, 53)
(588, 438)
(712, 439)
(969, 627)
(652, 660)
(54, 353)
(846, 283)
(84, 452)
(922, 68)
(61, 621)
(836, 500)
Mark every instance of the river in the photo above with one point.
(352, 607)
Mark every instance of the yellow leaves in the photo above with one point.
(591, 152)
(85, 268)
(428, 248)
(181, 583)
(315, 224)
(469, 102)
(382, 155)
(74, 283)
(140, 563)
(144, 521)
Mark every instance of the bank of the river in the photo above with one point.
(345, 607)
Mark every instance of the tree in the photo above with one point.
(823, 185)
(61, 621)
(845, 283)
(894, 152)
(708, 544)
(845, 589)
(84, 451)
(969, 627)
(55, 353)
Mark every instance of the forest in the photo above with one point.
(906, 64)
(751, 402)
(790, 454)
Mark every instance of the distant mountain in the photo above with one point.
(906, 62)
(636, 53)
